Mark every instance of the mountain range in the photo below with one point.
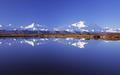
(74, 28)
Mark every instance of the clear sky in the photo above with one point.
(60, 12)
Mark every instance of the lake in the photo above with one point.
(57, 56)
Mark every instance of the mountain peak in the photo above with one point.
(80, 24)
(0, 26)
(30, 26)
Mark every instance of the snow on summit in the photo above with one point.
(34, 26)
(79, 25)
(110, 29)
(0, 26)
(30, 26)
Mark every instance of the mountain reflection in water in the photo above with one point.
(80, 43)
(58, 56)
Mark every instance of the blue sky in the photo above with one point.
(60, 12)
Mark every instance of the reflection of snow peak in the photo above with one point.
(79, 44)
(30, 42)
(33, 41)
(69, 38)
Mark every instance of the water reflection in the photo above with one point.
(51, 55)
(80, 43)
(29, 41)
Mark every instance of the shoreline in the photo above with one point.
(102, 36)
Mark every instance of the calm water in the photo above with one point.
(30, 56)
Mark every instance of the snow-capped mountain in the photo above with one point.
(0, 26)
(6, 27)
(110, 29)
(33, 27)
(79, 27)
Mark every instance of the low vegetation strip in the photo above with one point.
(88, 35)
